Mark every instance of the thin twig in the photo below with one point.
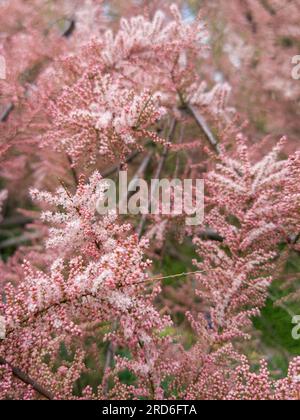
(19, 240)
(73, 170)
(201, 122)
(115, 168)
(297, 238)
(111, 347)
(211, 235)
(141, 170)
(110, 354)
(70, 28)
(157, 175)
(67, 32)
(15, 221)
(22, 376)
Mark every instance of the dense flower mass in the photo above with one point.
(111, 306)
(140, 37)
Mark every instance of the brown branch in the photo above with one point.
(296, 239)
(141, 170)
(111, 350)
(22, 376)
(158, 172)
(15, 221)
(69, 29)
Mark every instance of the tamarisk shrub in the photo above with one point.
(107, 109)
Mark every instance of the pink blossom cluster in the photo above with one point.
(85, 294)
(3, 197)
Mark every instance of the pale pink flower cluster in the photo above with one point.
(101, 116)
(260, 61)
(3, 197)
(107, 110)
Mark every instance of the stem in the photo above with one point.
(297, 238)
(108, 360)
(210, 234)
(158, 173)
(201, 122)
(73, 171)
(70, 28)
(142, 168)
(18, 373)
